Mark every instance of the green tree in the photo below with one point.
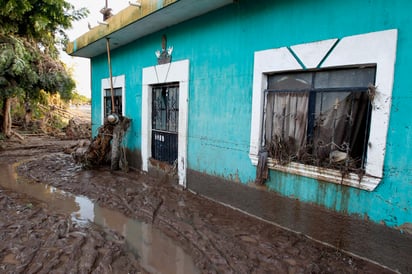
(42, 21)
(31, 31)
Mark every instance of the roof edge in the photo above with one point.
(134, 22)
(120, 20)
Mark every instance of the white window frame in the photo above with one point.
(118, 82)
(372, 48)
(163, 74)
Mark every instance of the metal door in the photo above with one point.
(165, 122)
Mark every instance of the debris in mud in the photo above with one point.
(219, 239)
(106, 146)
(77, 130)
(78, 149)
(118, 156)
(35, 240)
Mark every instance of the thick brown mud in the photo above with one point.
(35, 239)
(218, 239)
(140, 238)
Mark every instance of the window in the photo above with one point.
(117, 98)
(119, 91)
(322, 73)
(319, 118)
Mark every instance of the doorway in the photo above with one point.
(165, 122)
(166, 75)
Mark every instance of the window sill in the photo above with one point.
(366, 182)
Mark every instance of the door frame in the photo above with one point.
(163, 74)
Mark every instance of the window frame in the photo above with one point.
(108, 98)
(372, 48)
(118, 82)
(312, 91)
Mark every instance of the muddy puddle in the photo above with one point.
(155, 251)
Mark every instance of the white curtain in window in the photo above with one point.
(286, 122)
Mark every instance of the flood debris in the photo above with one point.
(106, 146)
(118, 157)
(262, 170)
(77, 130)
(219, 239)
(78, 149)
(34, 239)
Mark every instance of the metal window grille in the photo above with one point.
(319, 118)
(117, 96)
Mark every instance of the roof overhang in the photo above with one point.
(135, 22)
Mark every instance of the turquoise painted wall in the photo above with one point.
(220, 47)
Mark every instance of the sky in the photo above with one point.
(81, 66)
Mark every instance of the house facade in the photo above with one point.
(316, 92)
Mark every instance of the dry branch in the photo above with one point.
(17, 135)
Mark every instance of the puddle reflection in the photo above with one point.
(156, 252)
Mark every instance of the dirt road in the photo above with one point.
(36, 238)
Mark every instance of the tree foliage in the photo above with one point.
(17, 66)
(43, 21)
(31, 31)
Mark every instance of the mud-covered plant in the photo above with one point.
(56, 122)
(282, 151)
(285, 152)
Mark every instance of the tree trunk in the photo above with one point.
(7, 117)
(118, 134)
(27, 115)
(115, 156)
(105, 147)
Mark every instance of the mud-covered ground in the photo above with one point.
(34, 239)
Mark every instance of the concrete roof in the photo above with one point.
(135, 22)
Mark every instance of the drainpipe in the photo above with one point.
(110, 72)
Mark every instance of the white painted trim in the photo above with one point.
(377, 47)
(167, 73)
(324, 174)
(312, 54)
(118, 82)
(266, 61)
